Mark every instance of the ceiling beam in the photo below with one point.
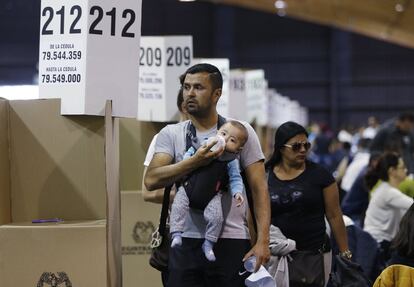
(373, 18)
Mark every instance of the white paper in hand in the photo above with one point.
(261, 278)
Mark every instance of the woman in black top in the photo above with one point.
(302, 193)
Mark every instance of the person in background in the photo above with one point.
(156, 196)
(302, 193)
(397, 136)
(371, 130)
(355, 202)
(360, 160)
(321, 150)
(388, 204)
(187, 263)
(402, 246)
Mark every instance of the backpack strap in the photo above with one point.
(198, 184)
(164, 209)
(191, 139)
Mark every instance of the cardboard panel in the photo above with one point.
(162, 60)
(139, 220)
(135, 137)
(113, 198)
(28, 251)
(4, 164)
(57, 163)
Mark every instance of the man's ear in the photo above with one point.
(217, 95)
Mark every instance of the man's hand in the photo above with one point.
(256, 178)
(261, 251)
(204, 155)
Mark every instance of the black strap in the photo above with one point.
(191, 139)
(164, 210)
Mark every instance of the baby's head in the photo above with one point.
(235, 135)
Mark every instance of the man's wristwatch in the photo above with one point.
(347, 254)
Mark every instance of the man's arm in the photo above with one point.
(256, 178)
(155, 196)
(162, 172)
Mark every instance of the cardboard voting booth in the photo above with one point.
(163, 59)
(54, 166)
(139, 221)
(248, 98)
(237, 95)
(256, 97)
(53, 254)
(134, 140)
(88, 54)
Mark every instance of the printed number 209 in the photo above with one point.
(93, 29)
(175, 56)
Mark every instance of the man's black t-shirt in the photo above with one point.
(298, 206)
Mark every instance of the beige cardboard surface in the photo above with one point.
(5, 211)
(28, 251)
(139, 219)
(113, 198)
(135, 138)
(57, 163)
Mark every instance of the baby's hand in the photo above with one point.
(239, 198)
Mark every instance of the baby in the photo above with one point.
(232, 135)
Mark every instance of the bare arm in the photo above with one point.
(162, 172)
(155, 196)
(256, 178)
(334, 216)
(250, 225)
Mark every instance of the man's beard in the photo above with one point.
(198, 112)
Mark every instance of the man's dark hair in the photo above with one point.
(181, 78)
(406, 116)
(180, 99)
(214, 74)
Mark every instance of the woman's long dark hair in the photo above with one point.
(403, 242)
(380, 170)
(285, 132)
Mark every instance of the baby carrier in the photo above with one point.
(203, 184)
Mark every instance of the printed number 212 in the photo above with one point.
(93, 29)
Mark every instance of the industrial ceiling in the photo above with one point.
(388, 20)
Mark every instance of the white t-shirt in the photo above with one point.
(360, 161)
(150, 151)
(172, 140)
(385, 210)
